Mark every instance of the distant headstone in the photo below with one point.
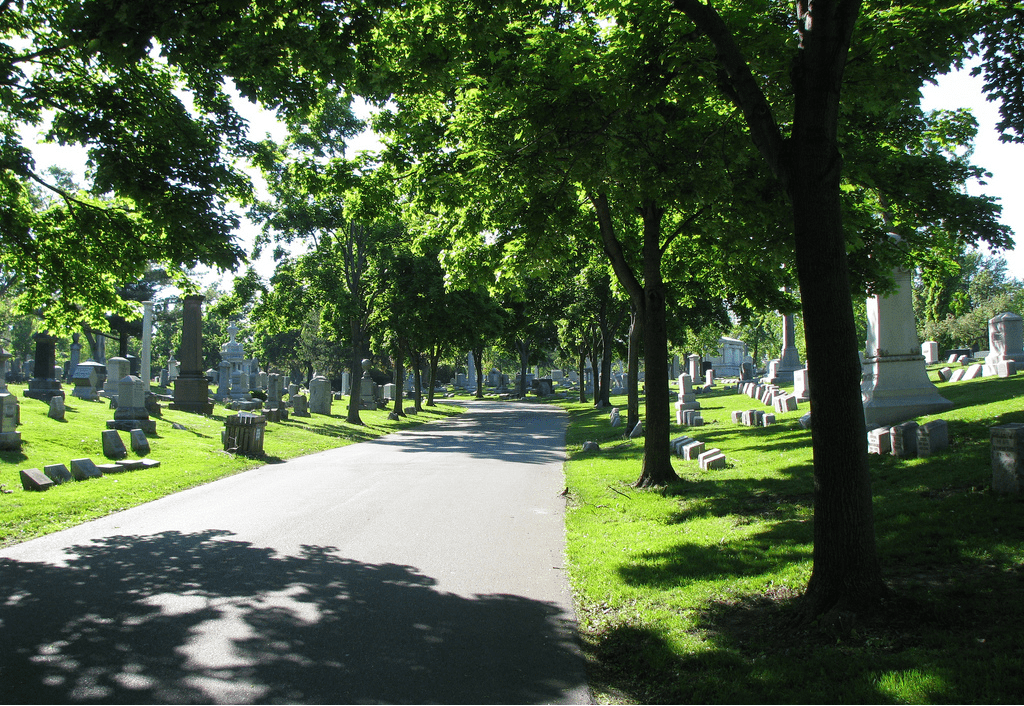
(945, 374)
(300, 405)
(957, 375)
(132, 412)
(33, 480)
(117, 369)
(10, 437)
(591, 446)
(1007, 448)
(638, 431)
(711, 459)
(693, 450)
(86, 379)
(930, 351)
(56, 410)
(320, 395)
(1006, 341)
(616, 421)
(973, 371)
(801, 385)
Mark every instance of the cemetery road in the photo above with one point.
(422, 567)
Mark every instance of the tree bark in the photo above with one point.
(357, 372)
(399, 382)
(417, 380)
(523, 348)
(435, 355)
(478, 354)
(633, 369)
(846, 573)
(582, 371)
(657, 464)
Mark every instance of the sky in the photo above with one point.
(955, 90)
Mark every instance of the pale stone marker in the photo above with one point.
(1007, 447)
(300, 406)
(131, 412)
(320, 395)
(973, 371)
(879, 441)
(711, 459)
(896, 384)
(945, 374)
(1006, 341)
(638, 431)
(693, 450)
(930, 351)
(117, 368)
(957, 375)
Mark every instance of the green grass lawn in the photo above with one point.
(188, 457)
(687, 594)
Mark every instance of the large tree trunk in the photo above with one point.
(396, 408)
(582, 370)
(633, 369)
(357, 371)
(595, 367)
(523, 348)
(657, 464)
(435, 355)
(416, 360)
(846, 573)
(478, 355)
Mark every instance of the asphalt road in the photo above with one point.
(423, 567)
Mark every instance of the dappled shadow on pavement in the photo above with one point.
(529, 433)
(202, 617)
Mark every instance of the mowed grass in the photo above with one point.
(188, 457)
(687, 594)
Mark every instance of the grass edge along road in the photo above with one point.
(189, 456)
(685, 594)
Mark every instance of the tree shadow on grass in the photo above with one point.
(200, 618)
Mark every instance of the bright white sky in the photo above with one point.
(957, 90)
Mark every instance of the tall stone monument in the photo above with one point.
(896, 385)
(1005, 342)
(44, 385)
(146, 365)
(191, 388)
(788, 361)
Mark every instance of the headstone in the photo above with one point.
(591, 446)
(117, 369)
(191, 390)
(10, 437)
(173, 368)
(1006, 369)
(140, 444)
(616, 421)
(1007, 448)
(56, 410)
(687, 400)
(320, 395)
(1006, 341)
(113, 446)
(932, 437)
(930, 351)
(86, 379)
(805, 421)
(801, 385)
(224, 380)
(903, 439)
(693, 450)
(767, 419)
(958, 375)
(84, 469)
(33, 480)
(58, 473)
(945, 374)
(638, 431)
(300, 406)
(131, 412)
(879, 441)
(973, 371)
(711, 459)
(390, 391)
(45, 383)
(896, 384)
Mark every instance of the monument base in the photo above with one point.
(10, 441)
(897, 388)
(44, 389)
(191, 394)
(146, 425)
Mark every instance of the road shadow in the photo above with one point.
(204, 618)
(516, 432)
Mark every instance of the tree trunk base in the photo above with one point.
(837, 609)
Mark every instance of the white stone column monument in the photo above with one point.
(145, 371)
(896, 385)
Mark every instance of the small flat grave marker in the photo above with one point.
(33, 480)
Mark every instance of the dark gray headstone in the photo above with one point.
(140, 444)
(903, 438)
(113, 446)
(58, 473)
(32, 479)
(84, 469)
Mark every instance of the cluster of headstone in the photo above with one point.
(1004, 357)
(616, 421)
(909, 439)
(770, 396)
(85, 468)
(686, 399)
(753, 418)
(693, 450)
